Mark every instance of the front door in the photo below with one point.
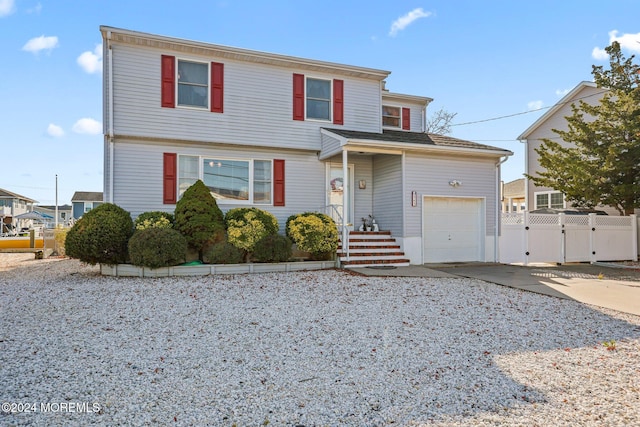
(335, 189)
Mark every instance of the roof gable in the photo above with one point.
(6, 194)
(569, 98)
(87, 196)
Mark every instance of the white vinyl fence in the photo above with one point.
(529, 238)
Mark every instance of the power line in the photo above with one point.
(529, 111)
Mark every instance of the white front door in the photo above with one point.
(453, 229)
(335, 189)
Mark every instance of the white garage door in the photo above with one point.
(453, 229)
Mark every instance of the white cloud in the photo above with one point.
(7, 7)
(404, 21)
(91, 62)
(534, 105)
(87, 126)
(562, 92)
(55, 131)
(627, 41)
(37, 44)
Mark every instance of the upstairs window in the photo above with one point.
(318, 99)
(193, 84)
(549, 199)
(390, 116)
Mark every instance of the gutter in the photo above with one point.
(110, 107)
(496, 253)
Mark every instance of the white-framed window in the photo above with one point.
(391, 116)
(193, 84)
(88, 206)
(318, 99)
(549, 199)
(238, 181)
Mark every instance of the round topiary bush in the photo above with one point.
(314, 232)
(273, 248)
(223, 253)
(199, 218)
(247, 226)
(100, 236)
(155, 219)
(157, 247)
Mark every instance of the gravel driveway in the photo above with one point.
(304, 349)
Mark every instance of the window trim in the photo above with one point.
(177, 89)
(548, 193)
(251, 178)
(382, 116)
(330, 100)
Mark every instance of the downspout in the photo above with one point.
(526, 168)
(498, 211)
(110, 107)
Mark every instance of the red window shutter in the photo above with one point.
(170, 179)
(217, 87)
(168, 77)
(338, 102)
(278, 182)
(298, 97)
(406, 119)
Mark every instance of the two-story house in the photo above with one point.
(12, 205)
(291, 135)
(554, 118)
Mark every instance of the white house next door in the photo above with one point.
(453, 229)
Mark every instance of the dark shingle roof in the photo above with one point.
(397, 136)
(87, 196)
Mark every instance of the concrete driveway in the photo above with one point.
(595, 284)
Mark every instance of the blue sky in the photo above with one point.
(479, 59)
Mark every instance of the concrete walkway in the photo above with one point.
(599, 285)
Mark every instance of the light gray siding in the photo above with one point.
(258, 107)
(362, 198)
(430, 176)
(387, 192)
(138, 175)
(558, 121)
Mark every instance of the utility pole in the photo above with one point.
(56, 214)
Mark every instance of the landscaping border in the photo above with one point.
(128, 270)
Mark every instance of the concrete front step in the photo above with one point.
(371, 263)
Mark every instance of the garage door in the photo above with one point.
(453, 229)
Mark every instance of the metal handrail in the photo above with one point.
(343, 229)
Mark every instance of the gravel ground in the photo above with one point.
(305, 349)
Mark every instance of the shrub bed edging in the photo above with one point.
(128, 270)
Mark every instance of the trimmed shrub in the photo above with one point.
(199, 218)
(157, 247)
(247, 226)
(223, 253)
(273, 248)
(315, 233)
(100, 236)
(154, 219)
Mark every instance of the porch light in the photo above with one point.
(455, 183)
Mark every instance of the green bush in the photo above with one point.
(199, 218)
(223, 253)
(157, 247)
(315, 233)
(100, 236)
(273, 248)
(247, 226)
(154, 219)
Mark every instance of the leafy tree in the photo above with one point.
(601, 166)
(199, 218)
(440, 122)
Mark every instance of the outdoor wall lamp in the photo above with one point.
(455, 183)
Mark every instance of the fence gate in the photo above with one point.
(530, 238)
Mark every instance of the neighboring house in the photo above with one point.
(11, 205)
(554, 118)
(513, 199)
(290, 135)
(65, 213)
(84, 201)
